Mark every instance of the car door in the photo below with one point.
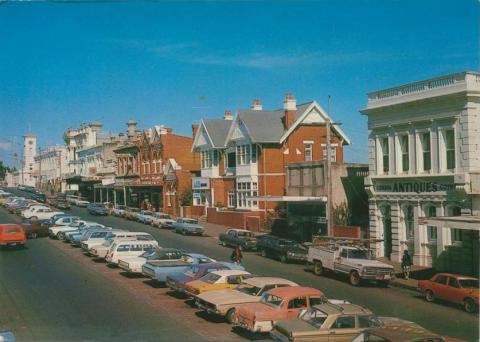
(439, 286)
(343, 329)
(453, 291)
(295, 305)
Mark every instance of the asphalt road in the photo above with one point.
(39, 288)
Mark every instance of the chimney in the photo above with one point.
(256, 105)
(194, 130)
(227, 115)
(290, 108)
(132, 125)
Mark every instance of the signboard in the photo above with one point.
(108, 181)
(199, 183)
(414, 187)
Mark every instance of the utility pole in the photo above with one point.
(329, 175)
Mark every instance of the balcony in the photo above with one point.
(440, 86)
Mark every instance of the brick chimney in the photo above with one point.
(256, 105)
(227, 115)
(194, 130)
(290, 108)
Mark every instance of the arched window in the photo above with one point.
(409, 221)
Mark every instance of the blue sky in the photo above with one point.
(62, 64)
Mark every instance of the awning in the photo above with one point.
(467, 222)
(288, 198)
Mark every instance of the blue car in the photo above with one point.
(97, 209)
(188, 226)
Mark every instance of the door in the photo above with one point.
(295, 306)
(439, 287)
(453, 292)
(387, 231)
(343, 329)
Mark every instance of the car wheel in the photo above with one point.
(263, 253)
(33, 235)
(58, 236)
(283, 258)
(469, 305)
(230, 316)
(318, 268)
(354, 278)
(429, 296)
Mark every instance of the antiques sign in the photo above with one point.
(416, 187)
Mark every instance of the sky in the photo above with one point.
(174, 63)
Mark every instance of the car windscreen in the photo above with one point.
(244, 234)
(271, 300)
(314, 317)
(12, 230)
(210, 278)
(249, 289)
(469, 283)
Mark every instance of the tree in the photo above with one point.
(3, 170)
(187, 197)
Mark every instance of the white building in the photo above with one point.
(424, 161)
(27, 174)
(50, 165)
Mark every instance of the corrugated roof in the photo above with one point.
(217, 129)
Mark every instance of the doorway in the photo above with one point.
(387, 230)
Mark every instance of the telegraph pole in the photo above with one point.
(329, 175)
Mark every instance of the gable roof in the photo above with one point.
(216, 130)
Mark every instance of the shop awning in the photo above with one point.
(288, 198)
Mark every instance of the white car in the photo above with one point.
(81, 202)
(162, 220)
(97, 238)
(122, 249)
(166, 255)
(56, 230)
(39, 213)
(67, 220)
(119, 210)
(101, 250)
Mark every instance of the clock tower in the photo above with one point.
(29, 153)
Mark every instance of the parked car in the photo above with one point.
(81, 202)
(162, 220)
(62, 204)
(283, 249)
(144, 216)
(397, 330)
(161, 255)
(101, 250)
(39, 213)
(160, 271)
(242, 238)
(452, 288)
(321, 322)
(58, 232)
(71, 199)
(283, 303)
(122, 249)
(12, 235)
(97, 209)
(186, 226)
(94, 234)
(216, 280)
(131, 213)
(64, 219)
(224, 302)
(75, 236)
(34, 229)
(177, 281)
(29, 212)
(98, 238)
(119, 210)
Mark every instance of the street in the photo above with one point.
(52, 291)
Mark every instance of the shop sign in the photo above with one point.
(108, 181)
(416, 187)
(200, 183)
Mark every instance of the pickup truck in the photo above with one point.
(159, 270)
(134, 264)
(354, 261)
(242, 238)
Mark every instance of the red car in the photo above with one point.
(12, 235)
(34, 228)
(453, 288)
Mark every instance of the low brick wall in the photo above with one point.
(193, 211)
(347, 231)
(235, 219)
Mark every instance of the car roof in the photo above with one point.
(402, 332)
(344, 308)
(453, 275)
(227, 273)
(290, 292)
(239, 230)
(262, 281)
(10, 225)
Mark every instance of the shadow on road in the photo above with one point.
(155, 284)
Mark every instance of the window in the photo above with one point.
(231, 198)
(123, 248)
(254, 153)
(308, 151)
(316, 301)
(368, 321)
(441, 280)
(344, 322)
(431, 230)
(453, 282)
(409, 220)
(457, 235)
(385, 155)
(426, 153)
(297, 303)
(405, 155)
(450, 148)
(243, 154)
(244, 190)
(333, 152)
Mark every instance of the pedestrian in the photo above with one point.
(406, 263)
(236, 256)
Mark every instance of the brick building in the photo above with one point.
(243, 159)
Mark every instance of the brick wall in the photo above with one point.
(347, 231)
(234, 219)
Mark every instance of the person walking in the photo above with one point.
(406, 263)
(236, 256)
